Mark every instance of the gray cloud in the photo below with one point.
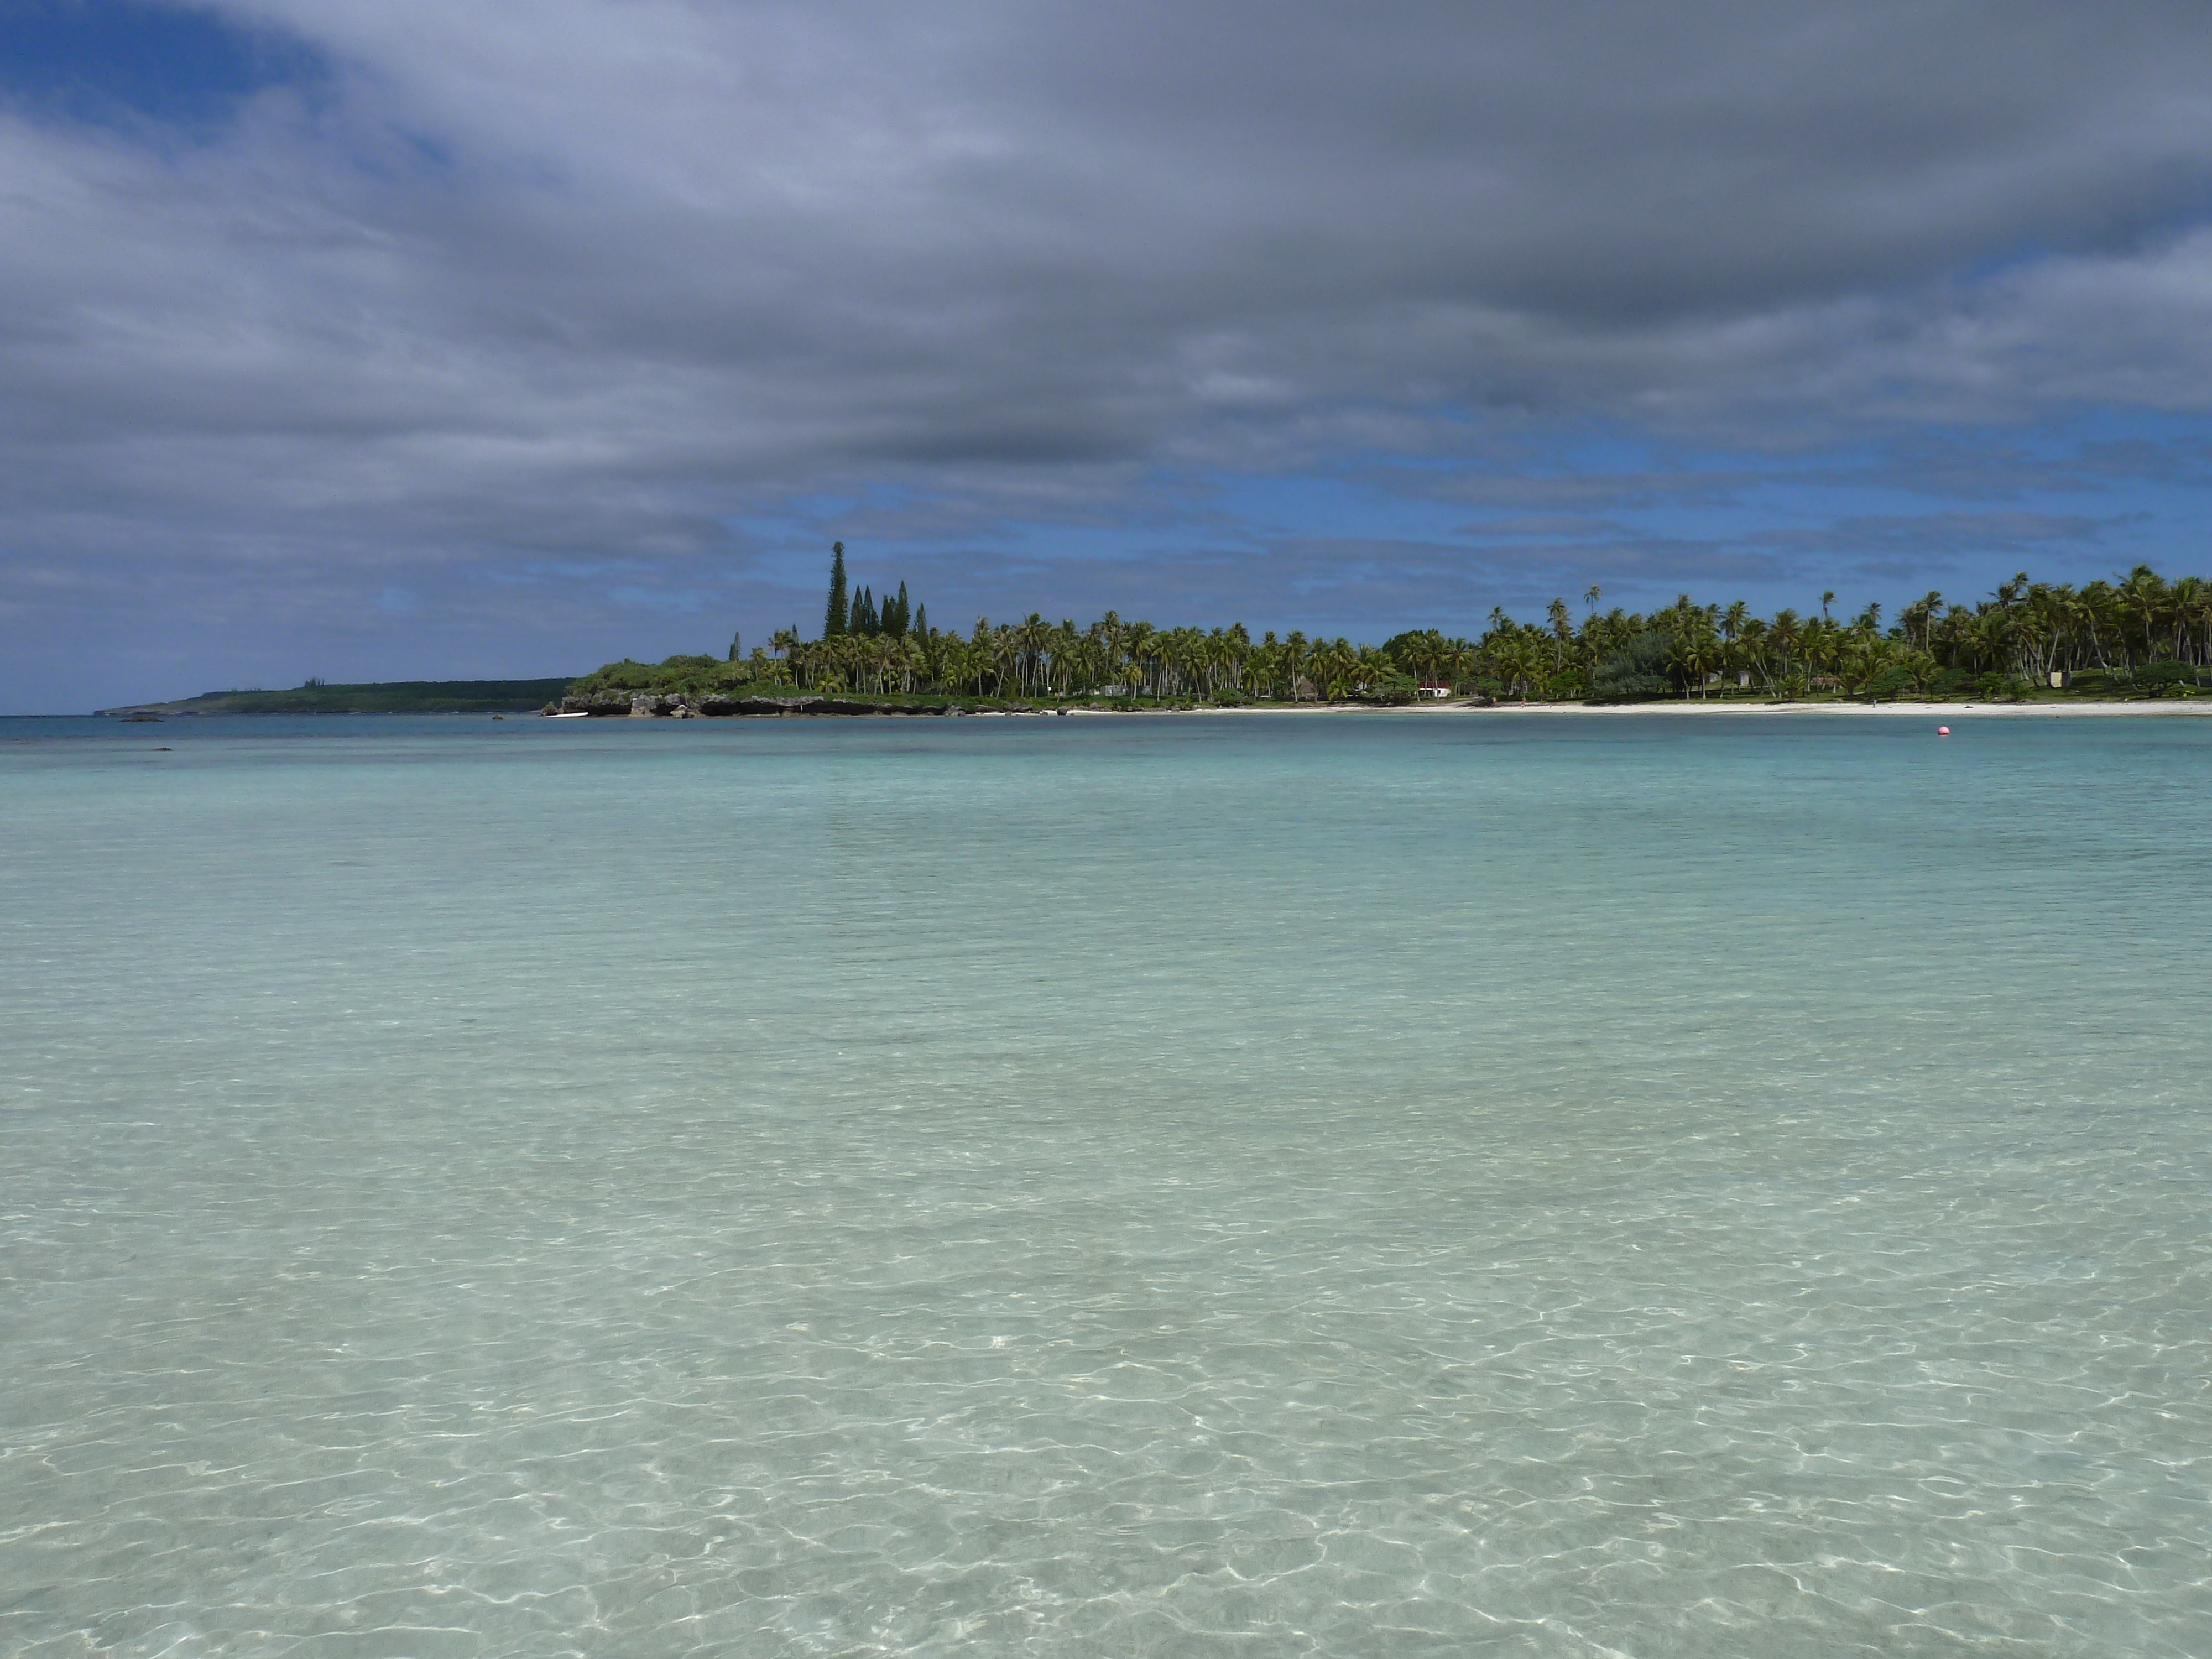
(1937, 534)
(613, 281)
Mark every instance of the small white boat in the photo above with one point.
(571, 714)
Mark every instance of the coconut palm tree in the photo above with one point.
(1751, 648)
(2191, 600)
(1988, 638)
(2142, 596)
(1788, 635)
(1818, 645)
(1696, 653)
(1733, 622)
(1563, 632)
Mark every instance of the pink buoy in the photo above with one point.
(1942, 730)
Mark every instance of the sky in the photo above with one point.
(452, 339)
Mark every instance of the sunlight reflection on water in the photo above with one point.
(1358, 1186)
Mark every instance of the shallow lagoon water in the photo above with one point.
(1351, 1186)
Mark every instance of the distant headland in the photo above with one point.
(392, 697)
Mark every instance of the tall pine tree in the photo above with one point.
(895, 614)
(833, 620)
(864, 620)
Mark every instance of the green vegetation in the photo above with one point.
(833, 621)
(396, 697)
(2139, 636)
(2142, 636)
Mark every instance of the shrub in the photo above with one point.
(1637, 672)
(2167, 678)
(623, 675)
(1889, 682)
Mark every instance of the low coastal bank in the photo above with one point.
(653, 706)
(647, 705)
(553, 698)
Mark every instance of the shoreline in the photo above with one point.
(2182, 708)
(2167, 708)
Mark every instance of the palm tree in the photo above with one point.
(2142, 594)
(1788, 635)
(2191, 597)
(1919, 617)
(1515, 658)
(1696, 651)
(1817, 643)
(1562, 631)
(1751, 648)
(1989, 639)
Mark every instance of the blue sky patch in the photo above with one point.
(122, 62)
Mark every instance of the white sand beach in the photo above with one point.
(1942, 713)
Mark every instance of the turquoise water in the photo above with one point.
(1307, 1186)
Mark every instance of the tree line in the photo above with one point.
(861, 616)
(2140, 632)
